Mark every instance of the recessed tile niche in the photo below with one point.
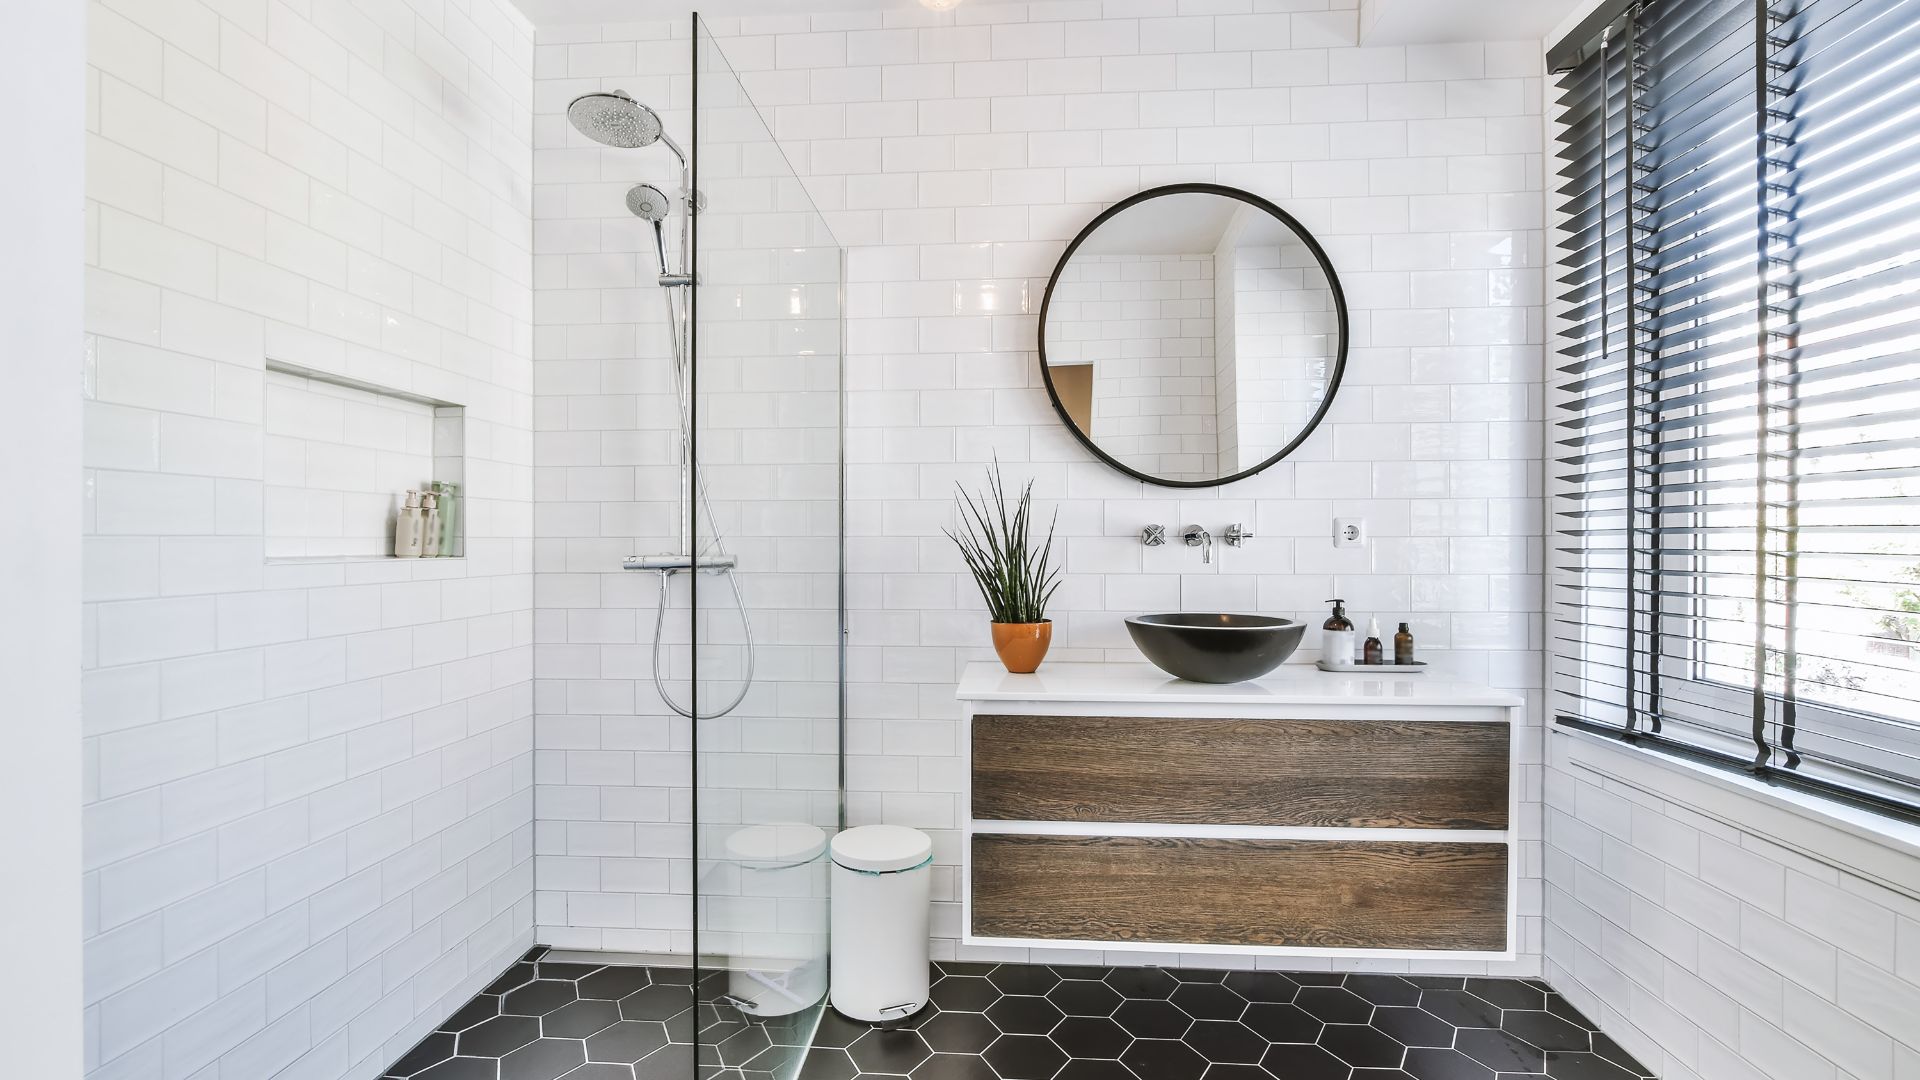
(341, 456)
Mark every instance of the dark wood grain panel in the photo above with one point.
(1309, 893)
(1185, 771)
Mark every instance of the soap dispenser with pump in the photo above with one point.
(1336, 637)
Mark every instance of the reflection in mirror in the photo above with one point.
(1192, 336)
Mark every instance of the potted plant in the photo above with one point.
(1016, 579)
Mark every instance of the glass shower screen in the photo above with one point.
(767, 684)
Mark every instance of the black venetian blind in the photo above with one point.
(1735, 450)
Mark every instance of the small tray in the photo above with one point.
(1373, 669)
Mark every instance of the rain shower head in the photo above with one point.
(648, 203)
(614, 119)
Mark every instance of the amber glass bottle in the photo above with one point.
(1403, 645)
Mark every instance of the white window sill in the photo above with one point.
(1869, 845)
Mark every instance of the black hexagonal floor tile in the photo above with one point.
(1461, 1009)
(601, 1070)
(498, 1036)
(1282, 1023)
(655, 1003)
(958, 1033)
(517, 975)
(430, 1051)
(1269, 986)
(1018, 1015)
(1576, 1066)
(538, 998)
(1384, 989)
(964, 993)
(579, 1019)
(571, 972)
(673, 1062)
(627, 1041)
(1033, 979)
(1164, 1059)
(1152, 1019)
(955, 1067)
(1025, 1022)
(883, 1051)
(463, 1068)
(482, 1007)
(1081, 997)
(837, 1030)
(1334, 1004)
(1144, 982)
(1025, 1057)
(1090, 1037)
(1235, 1071)
(1413, 1027)
(1299, 1062)
(1499, 1050)
(1508, 993)
(1096, 1069)
(827, 1063)
(1545, 1030)
(1209, 1001)
(1363, 1047)
(743, 1046)
(614, 982)
(1431, 1064)
(543, 1059)
(1227, 1041)
(1561, 1008)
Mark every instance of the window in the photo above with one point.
(1735, 448)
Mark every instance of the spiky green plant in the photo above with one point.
(1016, 579)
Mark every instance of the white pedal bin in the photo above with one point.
(882, 875)
(782, 963)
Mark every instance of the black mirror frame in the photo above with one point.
(1326, 267)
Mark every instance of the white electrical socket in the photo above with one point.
(1349, 532)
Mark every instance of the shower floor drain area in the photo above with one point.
(564, 1021)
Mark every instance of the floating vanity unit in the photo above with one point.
(1305, 813)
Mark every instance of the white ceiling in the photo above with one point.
(1383, 22)
(573, 12)
(1426, 22)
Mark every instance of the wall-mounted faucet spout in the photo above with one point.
(1195, 536)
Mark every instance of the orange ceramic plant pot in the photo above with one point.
(1022, 645)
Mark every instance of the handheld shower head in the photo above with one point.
(648, 203)
(614, 119)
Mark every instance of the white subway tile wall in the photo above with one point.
(1713, 951)
(309, 806)
(955, 155)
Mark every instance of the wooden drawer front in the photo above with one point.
(1405, 774)
(1306, 893)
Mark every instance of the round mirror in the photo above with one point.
(1192, 335)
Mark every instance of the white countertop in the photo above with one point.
(1292, 684)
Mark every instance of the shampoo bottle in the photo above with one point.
(448, 502)
(406, 528)
(1336, 637)
(429, 525)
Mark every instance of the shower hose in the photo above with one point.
(659, 624)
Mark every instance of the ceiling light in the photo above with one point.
(939, 5)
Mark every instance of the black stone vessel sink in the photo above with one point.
(1215, 648)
